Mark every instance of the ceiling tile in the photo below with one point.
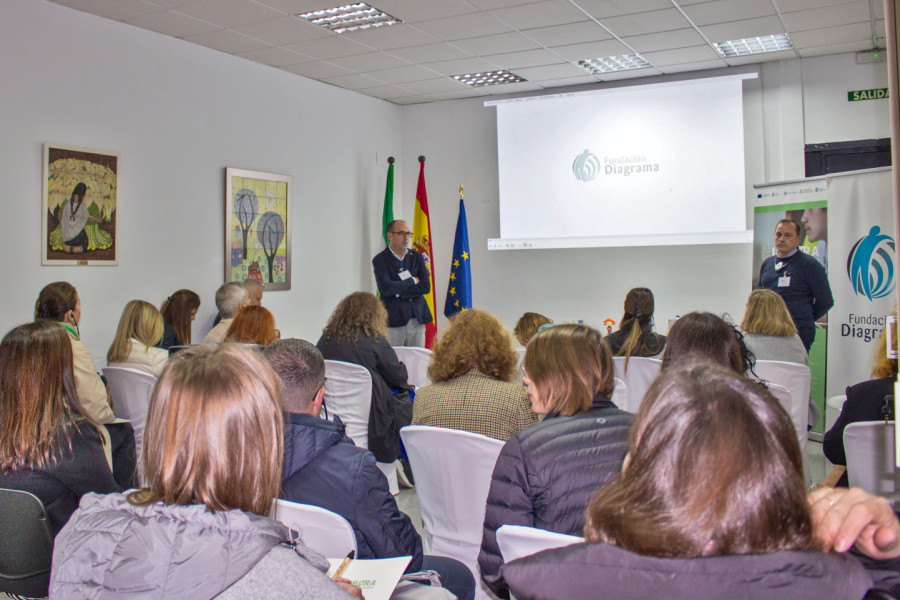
(370, 61)
(539, 14)
(388, 92)
(681, 55)
(468, 93)
(229, 13)
(171, 23)
(726, 11)
(567, 81)
(530, 58)
(353, 82)
(496, 44)
(743, 29)
(406, 101)
(693, 66)
(565, 35)
(491, 4)
(603, 9)
(760, 58)
(462, 66)
(830, 16)
(430, 53)
(440, 84)
(464, 26)
(331, 47)
(274, 56)
(118, 10)
(283, 30)
(602, 49)
(414, 12)
(318, 69)
(512, 88)
(794, 5)
(652, 42)
(395, 36)
(845, 47)
(559, 71)
(649, 22)
(633, 74)
(294, 7)
(404, 74)
(225, 40)
(855, 32)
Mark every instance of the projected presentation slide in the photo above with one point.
(638, 165)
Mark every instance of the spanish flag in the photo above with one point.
(422, 244)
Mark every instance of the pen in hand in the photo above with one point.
(346, 562)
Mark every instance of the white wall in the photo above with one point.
(179, 114)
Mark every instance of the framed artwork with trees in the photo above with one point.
(80, 207)
(257, 228)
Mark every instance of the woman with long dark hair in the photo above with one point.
(178, 313)
(635, 336)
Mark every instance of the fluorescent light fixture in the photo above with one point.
(489, 78)
(350, 17)
(754, 45)
(610, 64)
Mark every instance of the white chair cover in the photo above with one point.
(516, 541)
(642, 371)
(869, 446)
(322, 530)
(796, 378)
(620, 394)
(130, 390)
(417, 361)
(348, 394)
(453, 474)
(787, 401)
(833, 408)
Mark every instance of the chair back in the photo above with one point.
(324, 531)
(417, 361)
(26, 545)
(620, 394)
(516, 541)
(130, 390)
(348, 394)
(796, 378)
(453, 471)
(642, 371)
(869, 446)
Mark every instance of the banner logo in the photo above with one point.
(586, 166)
(870, 265)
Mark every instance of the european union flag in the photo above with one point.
(459, 291)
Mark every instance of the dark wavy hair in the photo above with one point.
(705, 335)
(55, 300)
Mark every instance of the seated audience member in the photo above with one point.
(711, 504)
(230, 298)
(178, 312)
(47, 447)
(635, 336)
(704, 335)
(546, 474)
(472, 368)
(140, 329)
(769, 330)
(254, 294)
(212, 456)
(357, 333)
(59, 302)
(253, 325)
(529, 324)
(316, 449)
(866, 401)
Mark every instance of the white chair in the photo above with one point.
(516, 541)
(787, 401)
(417, 361)
(833, 408)
(642, 371)
(620, 394)
(453, 475)
(322, 530)
(130, 390)
(869, 446)
(348, 394)
(796, 378)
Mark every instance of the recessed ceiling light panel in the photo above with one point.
(489, 78)
(755, 45)
(610, 64)
(350, 17)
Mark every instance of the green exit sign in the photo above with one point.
(876, 94)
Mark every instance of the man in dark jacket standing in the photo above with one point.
(324, 468)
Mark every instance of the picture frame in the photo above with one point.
(257, 227)
(79, 224)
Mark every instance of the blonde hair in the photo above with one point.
(214, 432)
(474, 340)
(767, 314)
(360, 313)
(882, 365)
(140, 320)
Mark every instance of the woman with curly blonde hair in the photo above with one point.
(472, 368)
(357, 333)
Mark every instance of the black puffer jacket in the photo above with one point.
(547, 474)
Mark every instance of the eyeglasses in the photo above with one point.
(405, 234)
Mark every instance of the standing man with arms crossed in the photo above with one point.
(403, 280)
(799, 279)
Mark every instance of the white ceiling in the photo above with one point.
(538, 40)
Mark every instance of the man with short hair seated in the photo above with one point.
(230, 298)
(323, 467)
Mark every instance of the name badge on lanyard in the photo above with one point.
(784, 281)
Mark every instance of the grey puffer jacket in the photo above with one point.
(112, 549)
(547, 474)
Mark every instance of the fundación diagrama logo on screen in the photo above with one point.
(587, 165)
(870, 265)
